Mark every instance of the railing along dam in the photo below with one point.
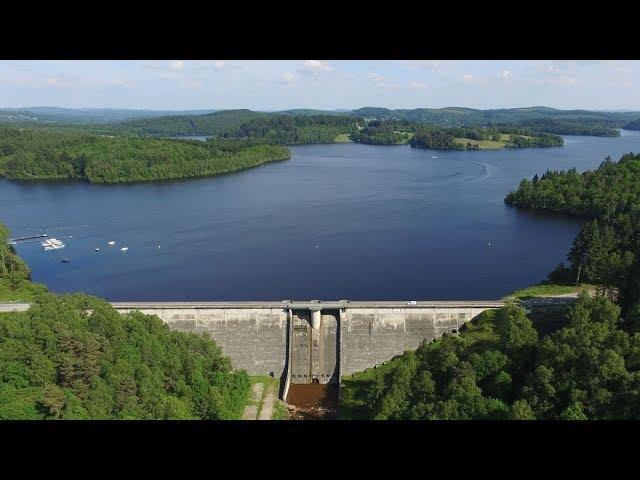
(307, 342)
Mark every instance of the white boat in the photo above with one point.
(124, 249)
(96, 249)
(111, 243)
(52, 244)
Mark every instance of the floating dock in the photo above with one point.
(14, 241)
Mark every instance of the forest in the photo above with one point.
(606, 251)
(287, 128)
(216, 123)
(295, 129)
(500, 368)
(77, 154)
(75, 357)
(597, 128)
(386, 132)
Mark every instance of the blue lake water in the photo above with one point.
(336, 221)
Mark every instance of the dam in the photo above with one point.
(307, 342)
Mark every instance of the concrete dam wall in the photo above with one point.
(313, 341)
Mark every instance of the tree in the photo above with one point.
(573, 412)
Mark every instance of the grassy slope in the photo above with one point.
(343, 138)
(483, 144)
(489, 144)
(548, 289)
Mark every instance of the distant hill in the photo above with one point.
(467, 117)
(225, 122)
(311, 111)
(290, 127)
(216, 123)
(86, 115)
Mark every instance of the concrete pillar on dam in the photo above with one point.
(316, 316)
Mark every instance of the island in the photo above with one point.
(482, 138)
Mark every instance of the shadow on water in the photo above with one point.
(313, 401)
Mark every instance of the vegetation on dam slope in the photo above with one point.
(499, 367)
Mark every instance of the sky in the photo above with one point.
(321, 84)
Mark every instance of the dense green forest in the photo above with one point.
(500, 367)
(64, 153)
(584, 126)
(607, 249)
(294, 129)
(386, 132)
(76, 357)
(434, 137)
(216, 123)
(290, 128)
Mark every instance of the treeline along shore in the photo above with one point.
(75, 154)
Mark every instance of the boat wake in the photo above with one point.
(487, 171)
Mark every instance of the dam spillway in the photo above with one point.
(303, 342)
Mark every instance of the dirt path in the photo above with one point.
(266, 413)
(551, 300)
(251, 410)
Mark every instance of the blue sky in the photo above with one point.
(324, 84)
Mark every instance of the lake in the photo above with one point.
(339, 221)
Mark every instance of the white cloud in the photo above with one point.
(420, 64)
(57, 82)
(376, 78)
(176, 65)
(288, 78)
(505, 74)
(545, 68)
(467, 79)
(218, 65)
(316, 66)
